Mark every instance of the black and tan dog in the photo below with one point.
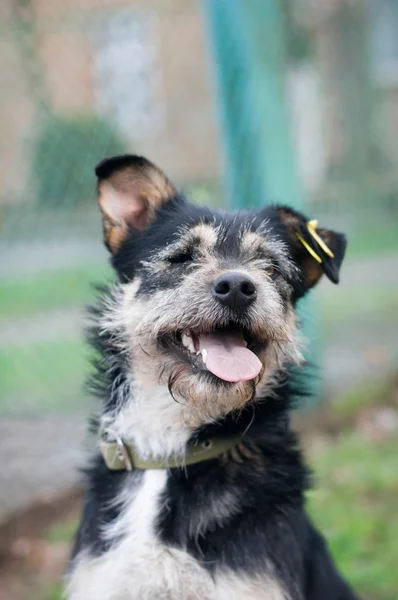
(197, 490)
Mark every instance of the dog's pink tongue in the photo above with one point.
(228, 358)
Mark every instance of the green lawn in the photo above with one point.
(43, 377)
(357, 303)
(356, 495)
(355, 505)
(54, 592)
(50, 290)
(373, 240)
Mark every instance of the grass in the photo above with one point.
(367, 395)
(63, 532)
(356, 304)
(42, 377)
(355, 507)
(373, 241)
(54, 592)
(49, 290)
(355, 498)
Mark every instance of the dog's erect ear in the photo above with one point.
(130, 190)
(316, 251)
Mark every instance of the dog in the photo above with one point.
(197, 489)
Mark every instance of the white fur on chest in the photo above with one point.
(140, 567)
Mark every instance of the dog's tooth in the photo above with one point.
(204, 355)
(186, 341)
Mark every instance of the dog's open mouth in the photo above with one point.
(227, 352)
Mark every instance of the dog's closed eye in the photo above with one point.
(181, 257)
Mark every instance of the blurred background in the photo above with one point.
(241, 102)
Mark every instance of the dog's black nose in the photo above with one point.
(235, 290)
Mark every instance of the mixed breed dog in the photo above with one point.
(197, 490)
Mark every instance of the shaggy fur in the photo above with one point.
(233, 527)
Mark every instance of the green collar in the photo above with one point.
(119, 455)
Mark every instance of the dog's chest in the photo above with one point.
(141, 567)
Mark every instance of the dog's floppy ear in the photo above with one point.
(130, 190)
(314, 250)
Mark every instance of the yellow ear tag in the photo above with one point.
(308, 247)
(312, 225)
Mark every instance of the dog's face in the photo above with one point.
(206, 299)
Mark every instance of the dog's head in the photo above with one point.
(205, 300)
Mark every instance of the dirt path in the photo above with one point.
(41, 458)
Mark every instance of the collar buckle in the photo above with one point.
(123, 453)
(115, 451)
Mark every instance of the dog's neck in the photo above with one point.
(159, 426)
(153, 421)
